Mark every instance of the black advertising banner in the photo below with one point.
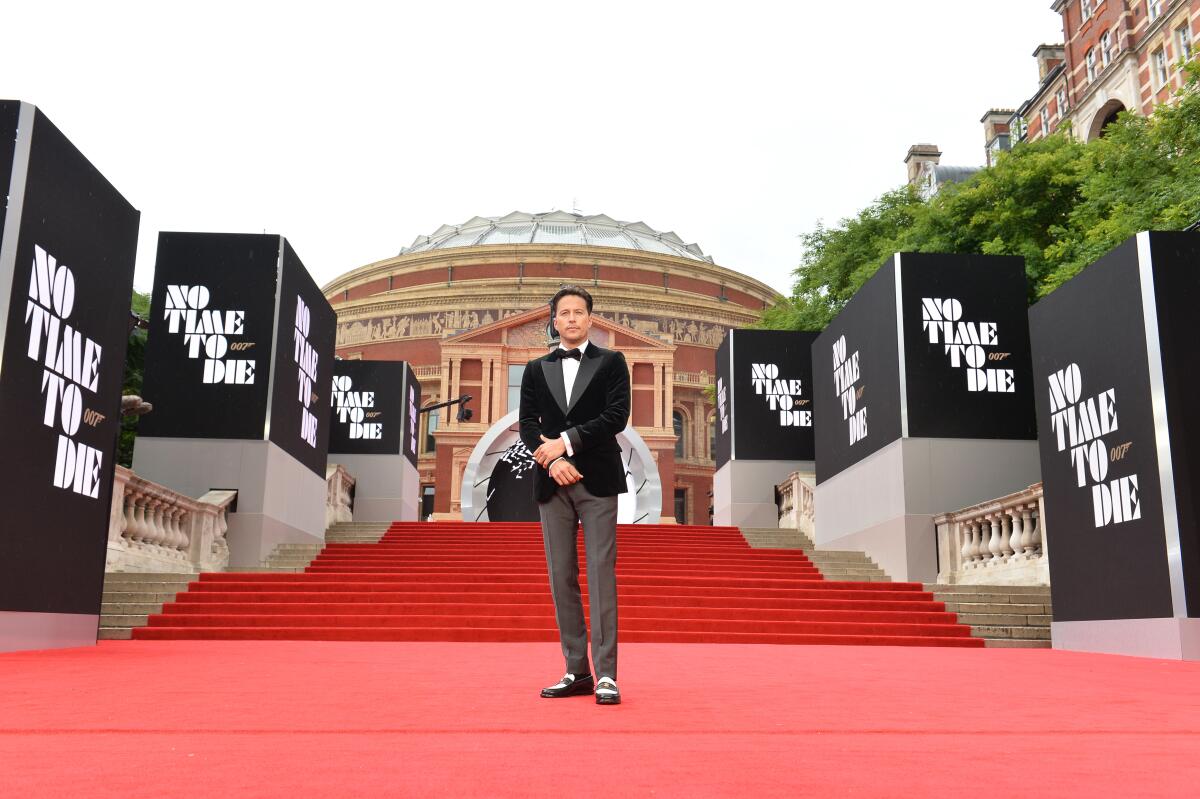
(724, 398)
(856, 380)
(9, 112)
(300, 408)
(412, 420)
(770, 378)
(208, 352)
(66, 260)
(369, 407)
(966, 346)
(1100, 464)
(1177, 293)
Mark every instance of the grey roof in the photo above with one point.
(953, 174)
(556, 227)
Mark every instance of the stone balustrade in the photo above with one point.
(426, 372)
(154, 529)
(796, 507)
(696, 379)
(998, 542)
(339, 495)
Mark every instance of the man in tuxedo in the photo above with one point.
(574, 402)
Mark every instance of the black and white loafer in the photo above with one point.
(606, 692)
(570, 685)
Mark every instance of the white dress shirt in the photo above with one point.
(570, 368)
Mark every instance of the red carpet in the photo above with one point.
(487, 582)
(342, 719)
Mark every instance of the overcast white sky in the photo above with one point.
(351, 128)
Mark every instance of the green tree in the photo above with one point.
(1144, 174)
(1058, 203)
(1012, 208)
(838, 260)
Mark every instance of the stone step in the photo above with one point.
(1017, 643)
(1005, 604)
(160, 588)
(137, 596)
(114, 633)
(1003, 620)
(123, 620)
(989, 631)
(984, 589)
(992, 599)
(130, 608)
(148, 577)
(998, 608)
(854, 558)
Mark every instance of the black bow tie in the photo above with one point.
(575, 353)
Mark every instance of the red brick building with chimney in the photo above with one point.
(1119, 55)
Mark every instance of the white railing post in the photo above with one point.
(338, 485)
(999, 542)
(152, 528)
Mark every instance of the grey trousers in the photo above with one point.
(570, 506)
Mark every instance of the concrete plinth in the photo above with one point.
(386, 487)
(1171, 639)
(884, 505)
(744, 491)
(24, 630)
(279, 499)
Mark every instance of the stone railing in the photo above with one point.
(424, 372)
(999, 542)
(796, 508)
(154, 529)
(339, 501)
(698, 379)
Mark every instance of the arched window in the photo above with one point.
(431, 424)
(712, 436)
(677, 423)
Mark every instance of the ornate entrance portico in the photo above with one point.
(487, 364)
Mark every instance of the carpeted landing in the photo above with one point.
(348, 719)
(487, 582)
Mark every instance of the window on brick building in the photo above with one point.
(431, 424)
(1085, 9)
(1106, 48)
(680, 433)
(515, 373)
(1061, 98)
(1044, 116)
(1091, 64)
(1183, 42)
(1158, 68)
(1154, 9)
(712, 436)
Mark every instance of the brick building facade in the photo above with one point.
(1119, 55)
(467, 307)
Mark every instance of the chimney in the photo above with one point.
(1048, 57)
(918, 155)
(995, 132)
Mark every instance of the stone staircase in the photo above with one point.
(833, 564)
(129, 597)
(1003, 615)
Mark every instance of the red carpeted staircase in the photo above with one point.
(449, 581)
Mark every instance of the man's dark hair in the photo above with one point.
(569, 291)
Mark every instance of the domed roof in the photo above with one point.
(556, 227)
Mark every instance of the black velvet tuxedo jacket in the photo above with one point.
(591, 418)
